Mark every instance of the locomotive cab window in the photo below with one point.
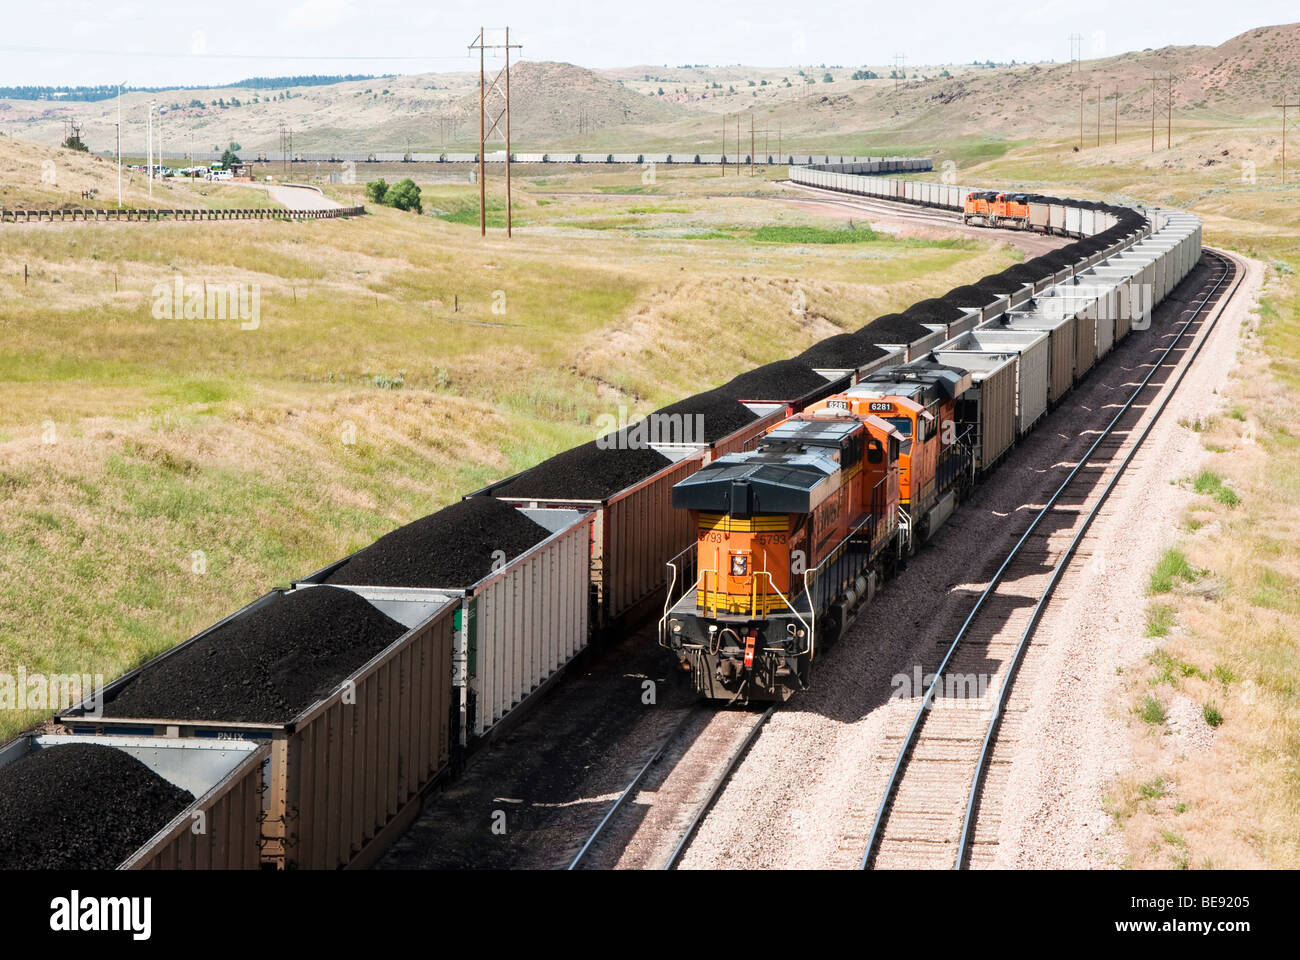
(875, 452)
(852, 452)
(902, 424)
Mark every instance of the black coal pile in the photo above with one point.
(1056, 259)
(999, 283)
(593, 471)
(968, 295)
(782, 380)
(1041, 267)
(266, 666)
(1025, 273)
(454, 547)
(894, 328)
(81, 806)
(720, 416)
(842, 351)
(934, 311)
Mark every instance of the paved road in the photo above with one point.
(300, 198)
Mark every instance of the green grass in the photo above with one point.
(1152, 711)
(1212, 715)
(1223, 673)
(1170, 669)
(1152, 789)
(634, 191)
(779, 234)
(1207, 482)
(1173, 565)
(1160, 618)
(1275, 591)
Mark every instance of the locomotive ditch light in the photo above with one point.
(676, 626)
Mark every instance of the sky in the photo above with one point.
(152, 43)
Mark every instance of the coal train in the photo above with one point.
(768, 508)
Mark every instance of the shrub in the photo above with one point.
(405, 195)
(377, 190)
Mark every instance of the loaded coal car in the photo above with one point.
(790, 539)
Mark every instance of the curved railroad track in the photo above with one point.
(937, 810)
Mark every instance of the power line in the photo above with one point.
(74, 51)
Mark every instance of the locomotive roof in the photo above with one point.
(758, 482)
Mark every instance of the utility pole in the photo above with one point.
(119, 146)
(484, 129)
(751, 143)
(1076, 52)
(1153, 111)
(1099, 114)
(1169, 107)
(900, 67)
(724, 144)
(1285, 120)
(151, 106)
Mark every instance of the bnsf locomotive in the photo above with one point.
(794, 536)
(990, 208)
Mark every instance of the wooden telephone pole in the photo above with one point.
(1081, 89)
(484, 130)
(1285, 107)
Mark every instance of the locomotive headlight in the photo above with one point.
(677, 626)
(739, 564)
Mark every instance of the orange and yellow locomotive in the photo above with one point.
(793, 537)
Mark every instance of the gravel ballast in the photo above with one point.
(453, 548)
(81, 806)
(266, 666)
(588, 472)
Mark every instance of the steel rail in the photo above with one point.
(986, 749)
(909, 739)
(715, 789)
(689, 714)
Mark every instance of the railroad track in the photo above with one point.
(937, 809)
(706, 758)
(893, 209)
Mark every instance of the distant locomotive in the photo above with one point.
(990, 208)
